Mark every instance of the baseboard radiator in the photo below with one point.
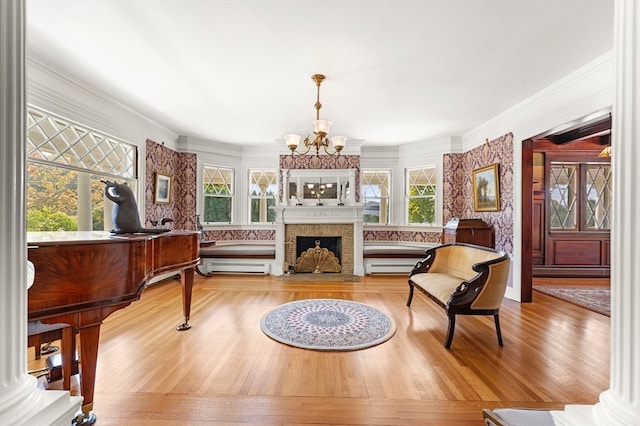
(237, 266)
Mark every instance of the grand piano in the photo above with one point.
(83, 277)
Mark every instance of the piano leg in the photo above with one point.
(89, 339)
(186, 277)
(68, 355)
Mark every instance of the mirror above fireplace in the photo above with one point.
(308, 187)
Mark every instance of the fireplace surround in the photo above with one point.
(344, 222)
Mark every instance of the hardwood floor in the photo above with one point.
(573, 282)
(226, 371)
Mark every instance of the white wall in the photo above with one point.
(587, 91)
(57, 93)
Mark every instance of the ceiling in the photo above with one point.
(397, 71)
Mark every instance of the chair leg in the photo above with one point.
(497, 319)
(410, 295)
(452, 326)
(38, 348)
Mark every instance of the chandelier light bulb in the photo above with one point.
(292, 140)
(321, 126)
(339, 142)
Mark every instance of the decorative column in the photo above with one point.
(21, 401)
(620, 404)
(85, 215)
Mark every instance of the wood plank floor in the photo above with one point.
(226, 371)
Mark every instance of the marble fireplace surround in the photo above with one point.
(320, 221)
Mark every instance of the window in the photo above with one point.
(263, 188)
(66, 163)
(598, 191)
(218, 194)
(421, 188)
(563, 209)
(376, 189)
(573, 210)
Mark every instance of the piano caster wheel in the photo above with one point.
(184, 326)
(84, 420)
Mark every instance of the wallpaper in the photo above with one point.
(457, 191)
(182, 167)
(402, 236)
(458, 187)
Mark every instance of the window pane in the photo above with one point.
(217, 180)
(263, 183)
(422, 210)
(217, 209)
(598, 208)
(218, 194)
(375, 189)
(260, 211)
(421, 195)
(562, 192)
(262, 194)
(55, 196)
(55, 140)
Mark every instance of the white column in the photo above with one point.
(280, 247)
(620, 404)
(85, 215)
(21, 401)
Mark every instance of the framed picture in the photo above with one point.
(163, 189)
(486, 189)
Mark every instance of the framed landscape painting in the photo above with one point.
(486, 189)
(163, 189)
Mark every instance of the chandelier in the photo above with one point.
(320, 130)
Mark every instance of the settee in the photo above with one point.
(464, 279)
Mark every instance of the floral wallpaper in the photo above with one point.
(402, 236)
(457, 191)
(182, 167)
(458, 187)
(240, 234)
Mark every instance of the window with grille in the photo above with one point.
(218, 194)
(66, 164)
(563, 210)
(579, 196)
(421, 186)
(598, 197)
(375, 192)
(263, 187)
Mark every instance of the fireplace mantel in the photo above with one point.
(319, 215)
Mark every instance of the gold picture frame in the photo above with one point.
(162, 193)
(486, 189)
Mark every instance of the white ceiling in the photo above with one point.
(398, 71)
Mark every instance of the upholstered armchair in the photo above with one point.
(464, 279)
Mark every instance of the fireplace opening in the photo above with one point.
(333, 244)
(318, 254)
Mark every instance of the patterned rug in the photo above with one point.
(595, 299)
(328, 325)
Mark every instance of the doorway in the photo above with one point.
(559, 235)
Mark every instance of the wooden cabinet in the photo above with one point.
(471, 231)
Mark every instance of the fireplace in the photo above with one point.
(340, 222)
(333, 244)
(318, 255)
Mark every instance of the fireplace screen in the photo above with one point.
(318, 254)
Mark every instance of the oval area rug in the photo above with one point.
(328, 325)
